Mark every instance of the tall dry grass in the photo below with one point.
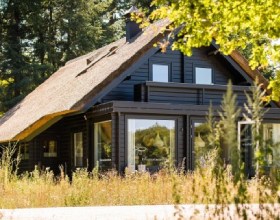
(43, 189)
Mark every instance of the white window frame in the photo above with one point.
(209, 80)
(159, 73)
(131, 139)
(96, 160)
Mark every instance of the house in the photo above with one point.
(130, 105)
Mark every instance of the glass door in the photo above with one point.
(103, 145)
(245, 142)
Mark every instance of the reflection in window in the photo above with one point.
(271, 136)
(203, 75)
(50, 148)
(103, 144)
(150, 143)
(24, 151)
(201, 143)
(202, 146)
(78, 149)
(160, 73)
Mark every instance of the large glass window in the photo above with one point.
(103, 144)
(151, 143)
(78, 149)
(271, 136)
(202, 145)
(160, 73)
(203, 75)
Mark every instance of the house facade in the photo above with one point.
(130, 105)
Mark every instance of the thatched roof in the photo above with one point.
(69, 89)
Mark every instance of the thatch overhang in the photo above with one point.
(69, 89)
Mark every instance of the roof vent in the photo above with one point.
(131, 28)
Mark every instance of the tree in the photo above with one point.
(238, 24)
(38, 37)
(14, 66)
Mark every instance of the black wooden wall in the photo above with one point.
(182, 71)
(62, 132)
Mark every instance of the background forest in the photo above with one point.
(39, 36)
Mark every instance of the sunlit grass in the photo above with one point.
(45, 190)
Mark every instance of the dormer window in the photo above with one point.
(160, 73)
(203, 75)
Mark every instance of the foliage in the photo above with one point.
(252, 26)
(255, 112)
(43, 189)
(38, 37)
(275, 85)
(9, 161)
(229, 115)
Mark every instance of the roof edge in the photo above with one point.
(254, 74)
(39, 126)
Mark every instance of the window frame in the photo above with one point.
(74, 148)
(95, 147)
(152, 117)
(151, 74)
(48, 154)
(277, 144)
(193, 121)
(192, 132)
(203, 67)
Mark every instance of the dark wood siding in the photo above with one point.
(221, 70)
(174, 58)
(63, 132)
(125, 90)
(67, 127)
(122, 142)
(28, 164)
(182, 71)
(184, 93)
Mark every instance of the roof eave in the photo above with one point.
(253, 74)
(39, 126)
